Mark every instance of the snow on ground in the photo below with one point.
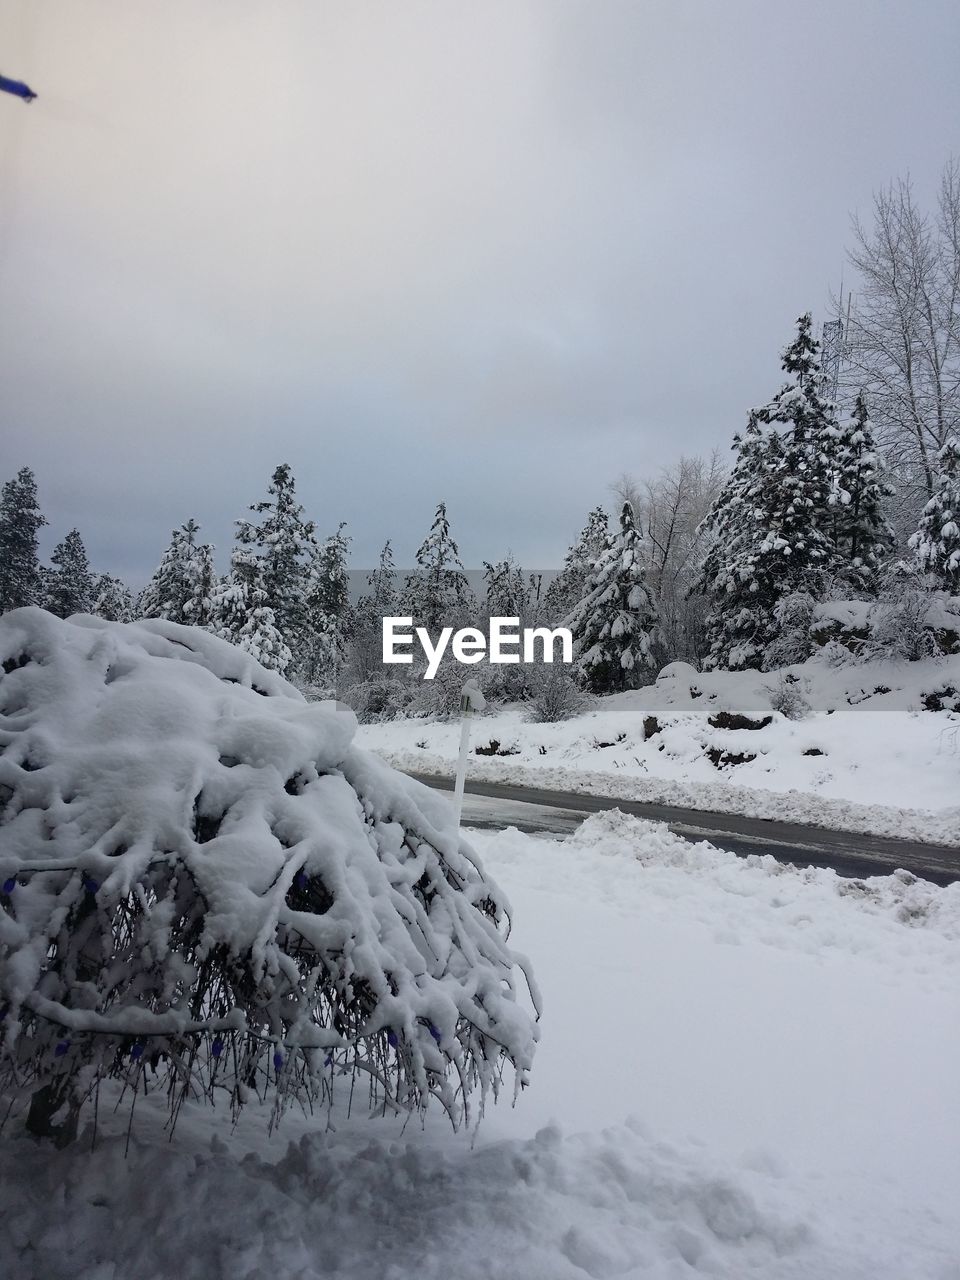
(868, 756)
(746, 1070)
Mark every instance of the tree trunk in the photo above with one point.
(53, 1113)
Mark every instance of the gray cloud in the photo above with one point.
(489, 253)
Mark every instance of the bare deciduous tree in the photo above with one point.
(904, 344)
(670, 510)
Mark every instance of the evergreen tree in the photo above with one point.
(164, 594)
(112, 600)
(20, 521)
(366, 619)
(202, 578)
(382, 597)
(69, 585)
(284, 543)
(508, 595)
(240, 613)
(508, 590)
(801, 498)
(615, 626)
(567, 589)
(327, 612)
(182, 585)
(936, 543)
(739, 577)
(858, 527)
(769, 528)
(437, 593)
(536, 598)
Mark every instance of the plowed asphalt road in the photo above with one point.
(495, 805)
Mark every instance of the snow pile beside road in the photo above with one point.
(809, 908)
(871, 753)
(790, 1021)
(801, 807)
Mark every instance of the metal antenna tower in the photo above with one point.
(831, 341)
(833, 349)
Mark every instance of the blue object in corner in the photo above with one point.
(17, 88)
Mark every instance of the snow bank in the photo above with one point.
(547, 1208)
(788, 1022)
(746, 1071)
(200, 875)
(814, 908)
(878, 750)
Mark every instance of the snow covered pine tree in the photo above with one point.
(740, 622)
(615, 625)
(327, 616)
(20, 521)
(240, 613)
(508, 591)
(207, 890)
(284, 544)
(437, 593)
(182, 586)
(366, 619)
(857, 525)
(112, 600)
(69, 586)
(936, 543)
(508, 595)
(567, 588)
(769, 525)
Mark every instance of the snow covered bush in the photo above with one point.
(206, 889)
(558, 697)
(907, 624)
(788, 696)
(379, 699)
(440, 696)
(899, 625)
(793, 642)
(503, 682)
(841, 625)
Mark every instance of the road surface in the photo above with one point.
(495, 805)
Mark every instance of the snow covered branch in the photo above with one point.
(205, 885)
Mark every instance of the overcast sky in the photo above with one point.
(494, 253)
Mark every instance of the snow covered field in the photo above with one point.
(868, 753)
(745, 1070)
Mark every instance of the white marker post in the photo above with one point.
(471, 699)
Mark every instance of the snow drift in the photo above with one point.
(205, 886)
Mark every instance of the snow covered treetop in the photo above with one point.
(204, 884)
